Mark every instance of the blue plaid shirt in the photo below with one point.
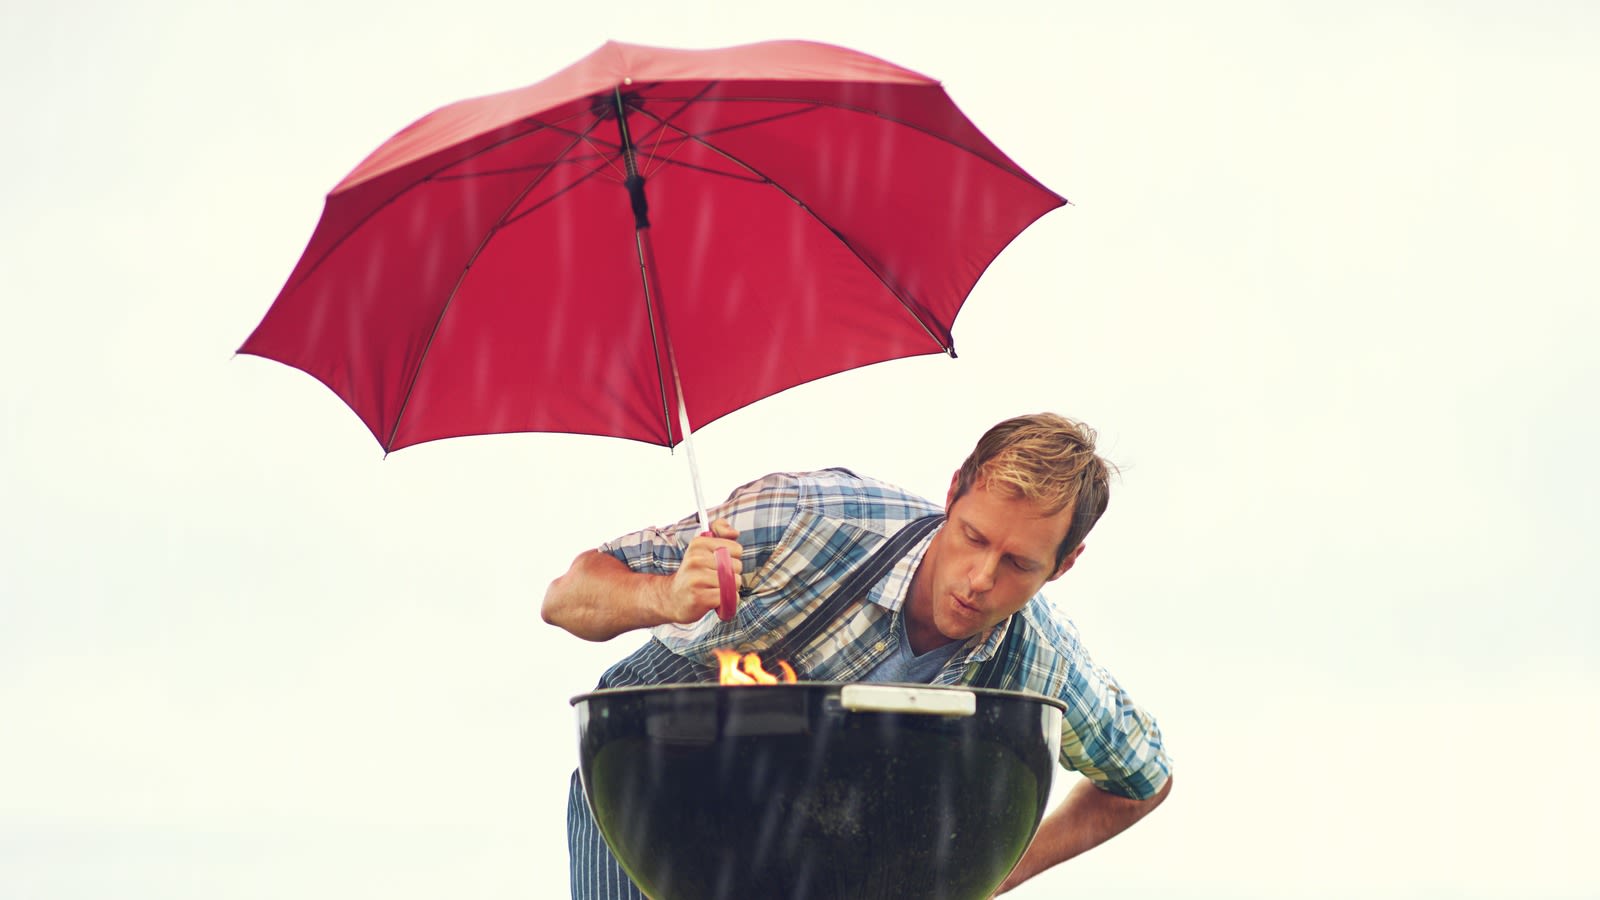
(801, 532)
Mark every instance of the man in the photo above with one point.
(960, 605)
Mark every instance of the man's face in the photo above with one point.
(993, 553)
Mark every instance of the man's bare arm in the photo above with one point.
(1087, 818)
(599, 597)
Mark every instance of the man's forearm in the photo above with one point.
(599, 598)
(1087, 818)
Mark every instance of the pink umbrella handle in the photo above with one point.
(729, 587)
(725, 583)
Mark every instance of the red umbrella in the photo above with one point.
(512, 262)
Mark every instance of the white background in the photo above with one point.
(1327, 290)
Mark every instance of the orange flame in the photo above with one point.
(746, 668)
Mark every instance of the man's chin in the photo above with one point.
(957, 630)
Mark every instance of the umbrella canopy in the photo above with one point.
(513, 262)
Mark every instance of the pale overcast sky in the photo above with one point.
(1327, 290)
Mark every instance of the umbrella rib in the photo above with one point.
(554, 196)
(431, 176)
(509, 170)
(912, 309)
(563, 158)
(488, 235)
(551, 165)
(806, 108)
(819, 104)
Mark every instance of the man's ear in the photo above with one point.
(1067, 563)
(950, 495)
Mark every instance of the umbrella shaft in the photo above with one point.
(634, 182)
(629, 161)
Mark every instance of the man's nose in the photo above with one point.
(982, 577)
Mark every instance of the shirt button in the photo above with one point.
(879, 646)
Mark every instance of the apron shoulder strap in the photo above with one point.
(854, 586)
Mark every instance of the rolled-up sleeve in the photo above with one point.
(654, 551)
(759, 510)
(1110, 740)
(1105, 735)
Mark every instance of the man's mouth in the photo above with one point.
(965, 606)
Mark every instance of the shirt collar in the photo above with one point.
(892, 589)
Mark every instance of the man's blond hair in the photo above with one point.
(1047, 459)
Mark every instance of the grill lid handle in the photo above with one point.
(893, 698)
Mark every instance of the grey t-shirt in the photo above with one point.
(908, 668)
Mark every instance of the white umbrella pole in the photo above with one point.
(688, 442)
